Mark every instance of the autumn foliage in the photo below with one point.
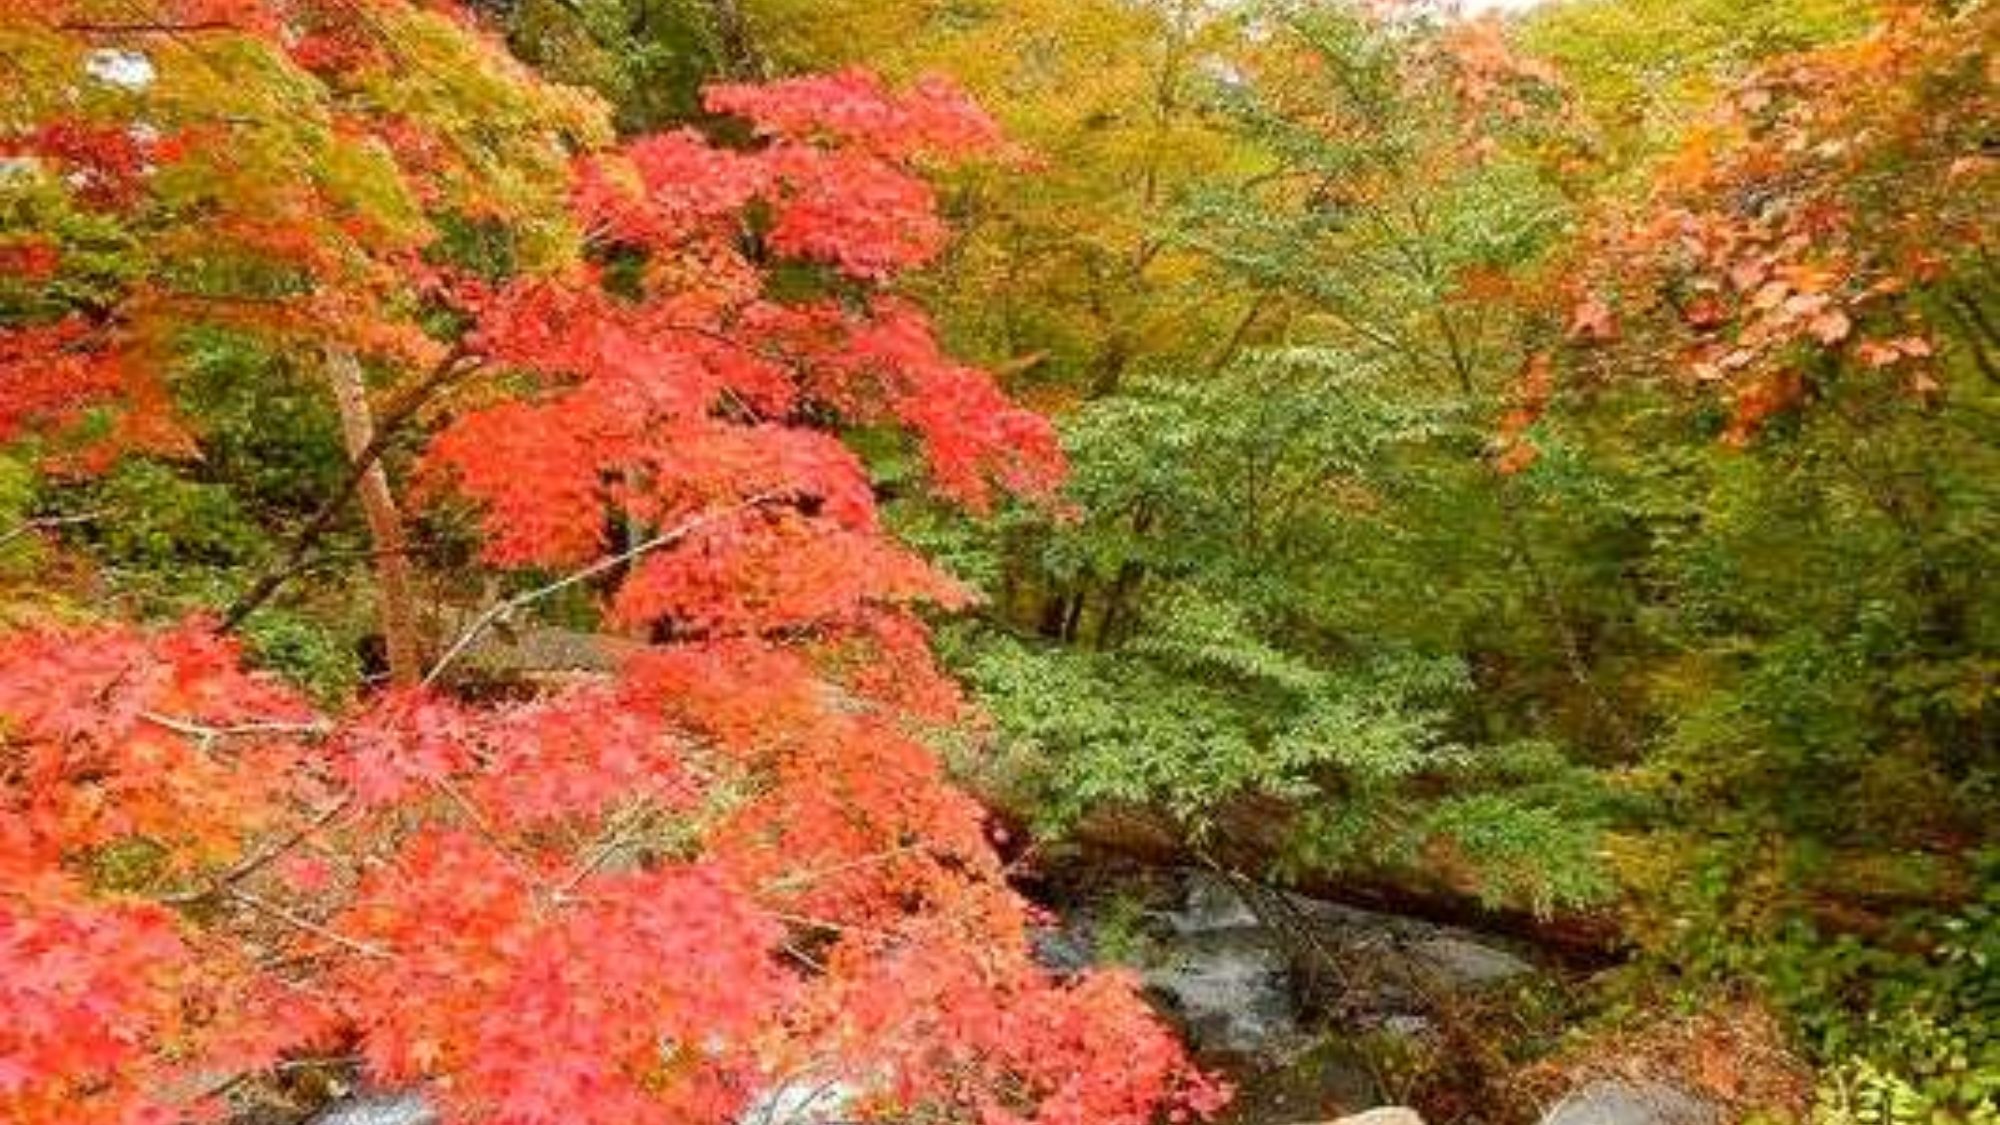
(1796, 227)
(648, 899)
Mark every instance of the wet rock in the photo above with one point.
(1322, 1075)
(1231, 989)
(1244, 969)
(1457, 962)
(1623, 1101)
(401, 1108)
(1062, 950)
(1212, 905)
(1438, 956)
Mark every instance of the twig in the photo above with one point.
(486, 831)
(501, 610)
(308, 925)
(326, 559)
(148, 28)
(798, 879)
(222, 883)
(611, 841)
(193, 729)
(813, 923)
(29, 527)
(803, 958)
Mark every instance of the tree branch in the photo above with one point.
(224, 883)
(447, 372)
(799, 880)
(501, 610)
(29, 527)
(617, 836)
(309, 926)
(108, 27)
(206, 733)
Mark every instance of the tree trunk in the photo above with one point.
(740, 58)
(397, 605)
(1074, 619)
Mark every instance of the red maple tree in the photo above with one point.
(734, 865)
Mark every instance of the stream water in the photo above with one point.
(1312, 1009)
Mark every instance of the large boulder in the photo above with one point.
(1629, 1101)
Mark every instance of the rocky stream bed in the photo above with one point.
(1315, 1011)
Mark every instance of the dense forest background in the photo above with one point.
(1722, 668)
(1538, 467)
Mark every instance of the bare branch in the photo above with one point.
(29, 527)
(617, 836)
(501, 610)
(250, 865)
(309, 926)
(318, 728)
(487, 832)
(801, 879)
(106, 27)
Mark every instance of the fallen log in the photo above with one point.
(1246, 842)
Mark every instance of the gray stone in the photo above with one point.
(1231, 989)
(403, 1108)
(1062, 950)
(1339, 916)
(1406, 1026)
(127, 70)
(802, 1101)
(1625, 1101)
(1462, 963)
(1212, 905)
(526, 648)
(1383, 1115)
